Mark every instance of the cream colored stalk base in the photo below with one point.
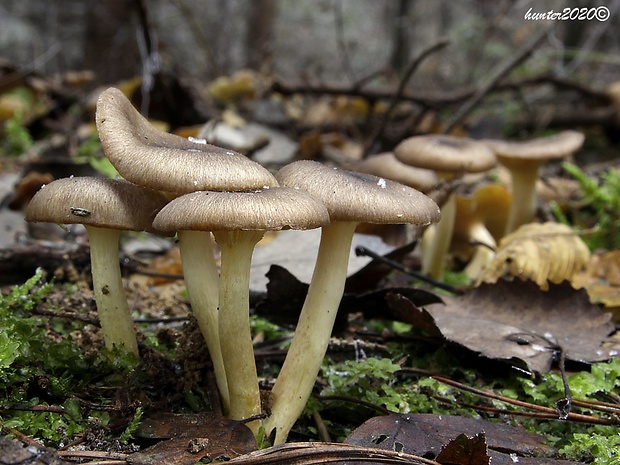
(483, 254)
(202, 282)
(234, 323)
(112, 308)
(434, 260)
(524, 197)
(303, 361)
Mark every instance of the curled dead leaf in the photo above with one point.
(540, 252)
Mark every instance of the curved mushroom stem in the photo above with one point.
(202, 281)
(112, 308)
(434, 264)
(303, 361)
(524, 197)
(234, 323)
(484, 252)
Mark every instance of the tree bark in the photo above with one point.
(259, 40)
(111, 48)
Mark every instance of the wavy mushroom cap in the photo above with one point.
(101, 202)
(162, 161)
(386, 165)
(444, 153)
(359, 197)
(269, 209)
(537, 150)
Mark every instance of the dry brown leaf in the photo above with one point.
(517, 320)
(540, 252)
(426, 435)
(191, 437)
(601, 278)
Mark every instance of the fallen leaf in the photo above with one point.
(601, 279)
(427, 435)
(286, 294)
(190, 438)
(516, 319)
(538, 252)
(12, 452)
(464, 450)
(325, 452)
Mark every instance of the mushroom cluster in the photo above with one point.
(201, 192)
(451, 157)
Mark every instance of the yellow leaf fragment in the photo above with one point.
(540, 252)
(601, 278)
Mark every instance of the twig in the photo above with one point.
(360, 250)
(606, 407)
(361, 402)
(578, 417)
(36, 408)
(501, 71)
(397, 97)
(439, 100)
(311, 453)
(196, 25)
(342, 46)
(321, 427)
(21, 437)
(564, 405)
(112, 457)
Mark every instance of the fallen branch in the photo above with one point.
(502, 70)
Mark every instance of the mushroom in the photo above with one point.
(350, 198)
(523, 160)
(148, 157)
(481, 219)
(238, 221)
(105, 207)
(152, 158)
(386, 165)
(450, 157)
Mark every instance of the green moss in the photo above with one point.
(39, 374)
(599, 215)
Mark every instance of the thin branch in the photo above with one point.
(196, 25)
(578, 417)
(439, 100)
(363, 251)
(116, 457)
(311, 453)
(502, 70)
(342, 46)
(397, 97)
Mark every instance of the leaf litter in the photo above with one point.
(454, 440)
(517, 320)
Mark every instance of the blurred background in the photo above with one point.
(361, 46)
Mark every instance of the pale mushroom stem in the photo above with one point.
(305, 356)
(524, 197)
(202, 281)
(234, 323)
(484, 252)
(434, 260)
(112, 308)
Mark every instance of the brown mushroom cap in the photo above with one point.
(537, 150)
(359, 197)
(159, 160)
(269, 209)
(101, 202)
(388, 166)
(445, 153)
